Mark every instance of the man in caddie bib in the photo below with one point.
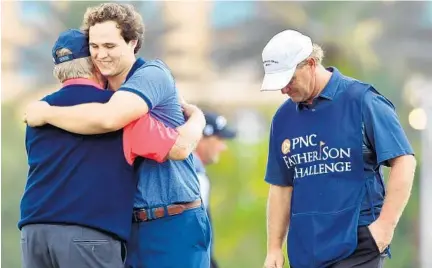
(328, 144)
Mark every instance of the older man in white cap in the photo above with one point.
(328, 144)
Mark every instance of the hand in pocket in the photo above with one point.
(382, 234)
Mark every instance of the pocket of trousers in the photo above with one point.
(95, 251)
(24, 252)
(204, 225)
(124, 252)
(372, 240)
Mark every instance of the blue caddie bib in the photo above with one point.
(322, 150)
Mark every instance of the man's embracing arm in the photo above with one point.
(149, 138)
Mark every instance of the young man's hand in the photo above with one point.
(189, 109)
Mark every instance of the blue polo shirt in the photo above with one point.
(72, 179)
(383, 139)
(161, 184)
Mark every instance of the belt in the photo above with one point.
(140, 215)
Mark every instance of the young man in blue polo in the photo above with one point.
(171, 227)
(328, 143)
(77, 205)
(215, 134)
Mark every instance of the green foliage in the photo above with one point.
(14, 172)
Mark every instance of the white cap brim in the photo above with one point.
(277, 81)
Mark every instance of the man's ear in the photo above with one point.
(312, 62)
(133, 44)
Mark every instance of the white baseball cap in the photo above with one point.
(281, 56)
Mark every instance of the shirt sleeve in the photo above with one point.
(277, 173)
(149, 138)
(152, 84)
(383, 129)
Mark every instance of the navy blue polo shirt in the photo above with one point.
(383, 139)
(78, 179)
(161, 184)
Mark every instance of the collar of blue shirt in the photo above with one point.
(329, 90)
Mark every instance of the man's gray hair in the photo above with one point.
(317, 54)
(77, 68)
